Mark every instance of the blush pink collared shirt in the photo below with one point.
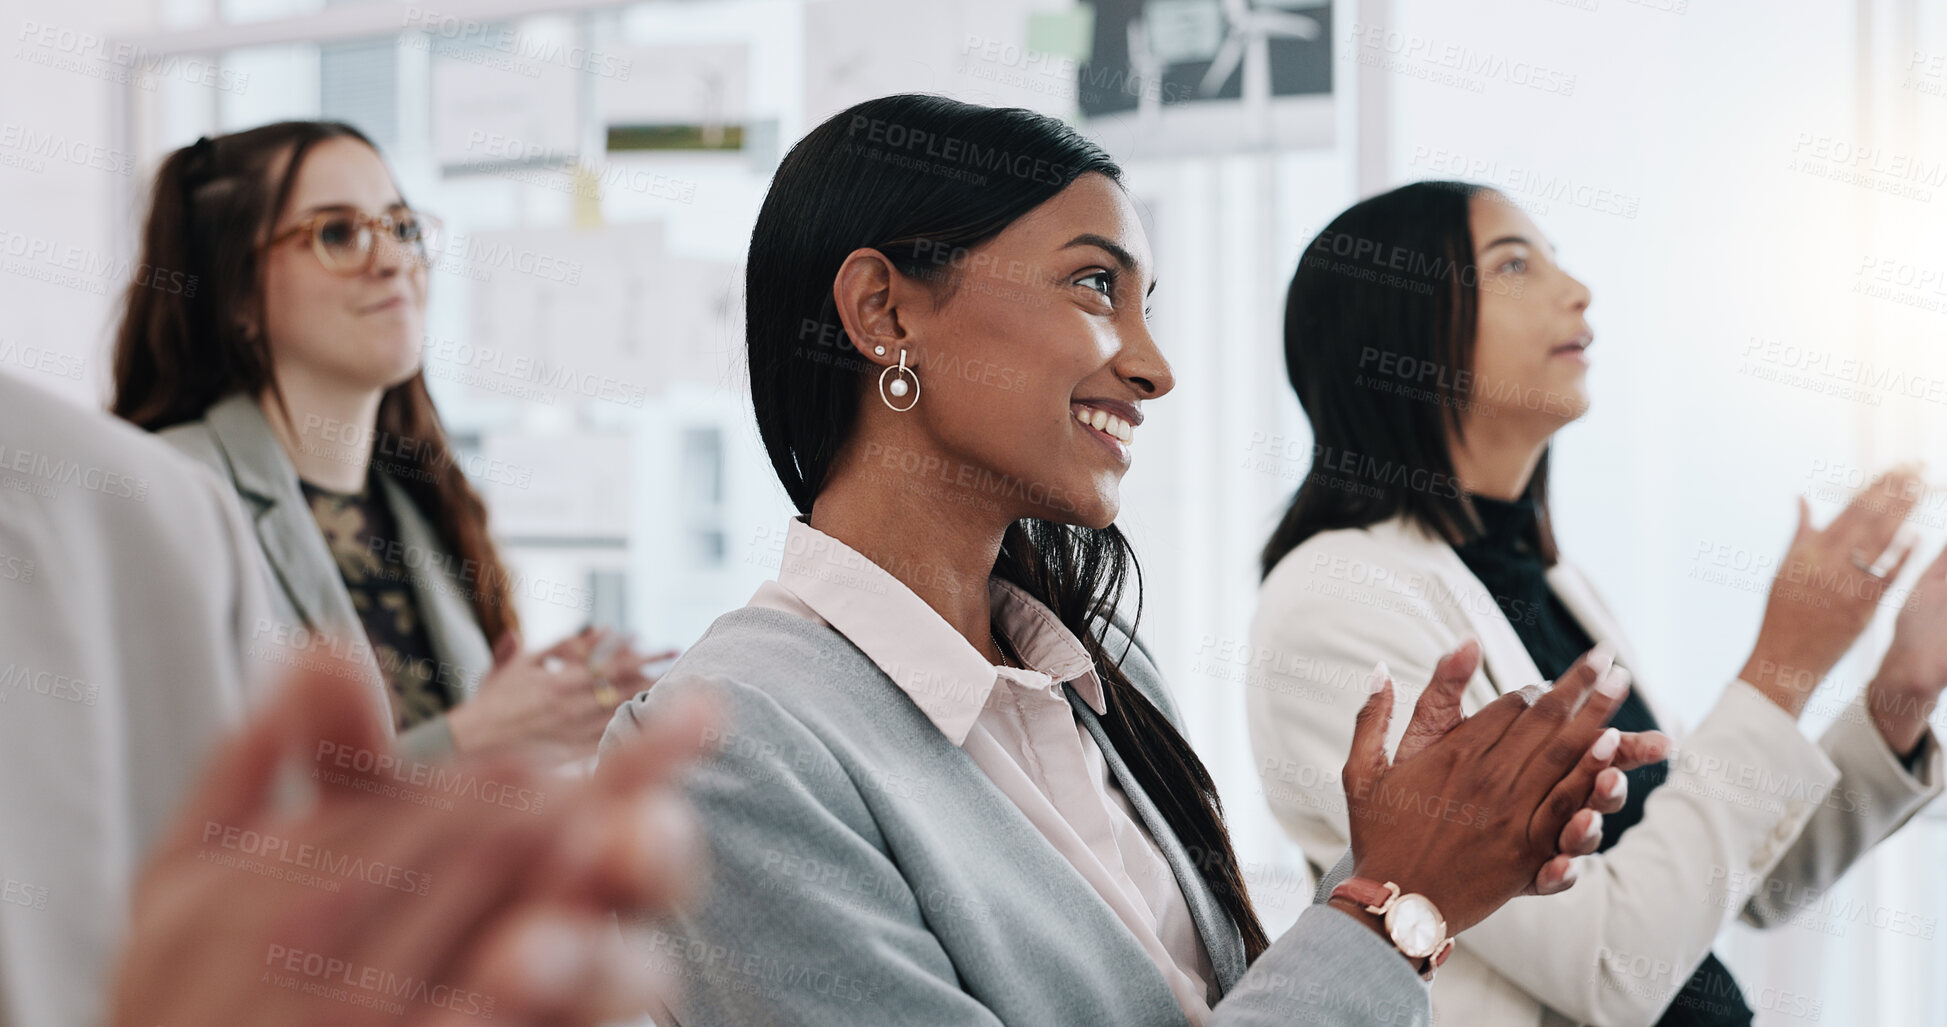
(1017, 726)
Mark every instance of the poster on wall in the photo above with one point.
(690, 97)
(1171, 77)
(563, 317)
(486, 115)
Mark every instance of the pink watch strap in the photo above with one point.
(1364, 891)
(1372, 896)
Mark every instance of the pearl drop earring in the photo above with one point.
(899, 386)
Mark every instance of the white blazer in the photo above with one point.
(129, 586)
(1749, 798)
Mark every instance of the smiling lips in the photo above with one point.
(1112, 425)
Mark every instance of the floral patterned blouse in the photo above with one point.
(357, 528)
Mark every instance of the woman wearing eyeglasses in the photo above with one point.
(289, 363)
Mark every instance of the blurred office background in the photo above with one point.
(1755, 193)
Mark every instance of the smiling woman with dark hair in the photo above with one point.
(1434, 391)
(953, 788)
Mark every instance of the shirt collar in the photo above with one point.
(944, 675)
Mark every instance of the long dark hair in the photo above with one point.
(1379, 330)
(179, 350)
(912, 177)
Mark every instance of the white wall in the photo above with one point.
(64, 179)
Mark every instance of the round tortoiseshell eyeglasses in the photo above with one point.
(345, 240)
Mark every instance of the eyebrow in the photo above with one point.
(399, 204)
(1518, 239)
(1112, 248)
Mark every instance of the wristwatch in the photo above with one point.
(1413, 922)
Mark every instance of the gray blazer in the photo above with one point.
(235, 440)
(865, 871)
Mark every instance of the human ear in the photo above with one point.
(873, 299)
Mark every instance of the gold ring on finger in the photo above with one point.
(606, 694)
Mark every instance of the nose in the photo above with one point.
(389, 256)
(1579, 296)
(1141, 364)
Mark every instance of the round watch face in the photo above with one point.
(1415, 926)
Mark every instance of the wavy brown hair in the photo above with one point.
(178, 352)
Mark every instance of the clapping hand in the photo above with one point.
(1473, 811)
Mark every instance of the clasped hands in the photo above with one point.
(1473, 811)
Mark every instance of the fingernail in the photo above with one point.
(1605, 747)
(1614, 684)
(668, 844)
(1377, 679)
(552, 954)
(1602, 657)
(1617, 786)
